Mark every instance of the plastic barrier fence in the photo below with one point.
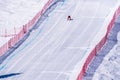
(98, 46)
(25, 28)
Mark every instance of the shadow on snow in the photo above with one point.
(9, 75)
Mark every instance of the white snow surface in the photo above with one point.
(53, 50)
(15, 13)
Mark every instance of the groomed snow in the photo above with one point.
(53, 51)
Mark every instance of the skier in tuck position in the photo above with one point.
(69, 18)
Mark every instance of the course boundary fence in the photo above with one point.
(97, 48)
(24, 30)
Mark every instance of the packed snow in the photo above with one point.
(53, 51)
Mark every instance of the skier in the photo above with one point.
(69, 18)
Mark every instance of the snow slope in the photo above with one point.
(14, 14)
(53, 50)
(109, 69)
(18, 12)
